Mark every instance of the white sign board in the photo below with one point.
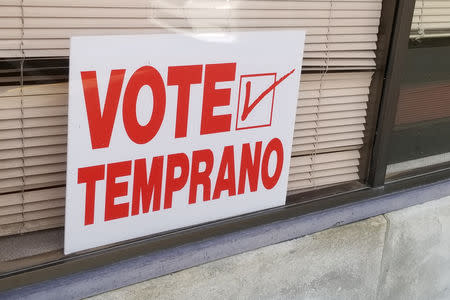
(168, 131)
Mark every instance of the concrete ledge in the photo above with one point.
(339, 263)
(401, 255)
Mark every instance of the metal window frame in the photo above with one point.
(390, 92)
(388, 105)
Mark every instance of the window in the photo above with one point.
(422, 123)
(348, 84)
(329, 130)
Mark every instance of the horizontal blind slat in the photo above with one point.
(431, 19)
(47, 26)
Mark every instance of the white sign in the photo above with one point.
(168, 131)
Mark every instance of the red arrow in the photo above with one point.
(248, 108)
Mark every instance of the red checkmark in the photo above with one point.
(248, 108)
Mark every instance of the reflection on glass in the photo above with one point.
(421, 133)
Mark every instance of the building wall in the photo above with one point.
(403, 254)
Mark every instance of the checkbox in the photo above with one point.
(256, 98)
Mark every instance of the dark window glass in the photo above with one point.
(421, 135)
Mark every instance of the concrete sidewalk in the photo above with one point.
(404, 254)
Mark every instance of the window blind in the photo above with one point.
(31, 211)
(44, 208)
(341, 34)
(310, 171)
(431, 19)
(34, 45)
(33, 126)
(331, 112)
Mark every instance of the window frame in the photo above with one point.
(388, 110)
(391, 91)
